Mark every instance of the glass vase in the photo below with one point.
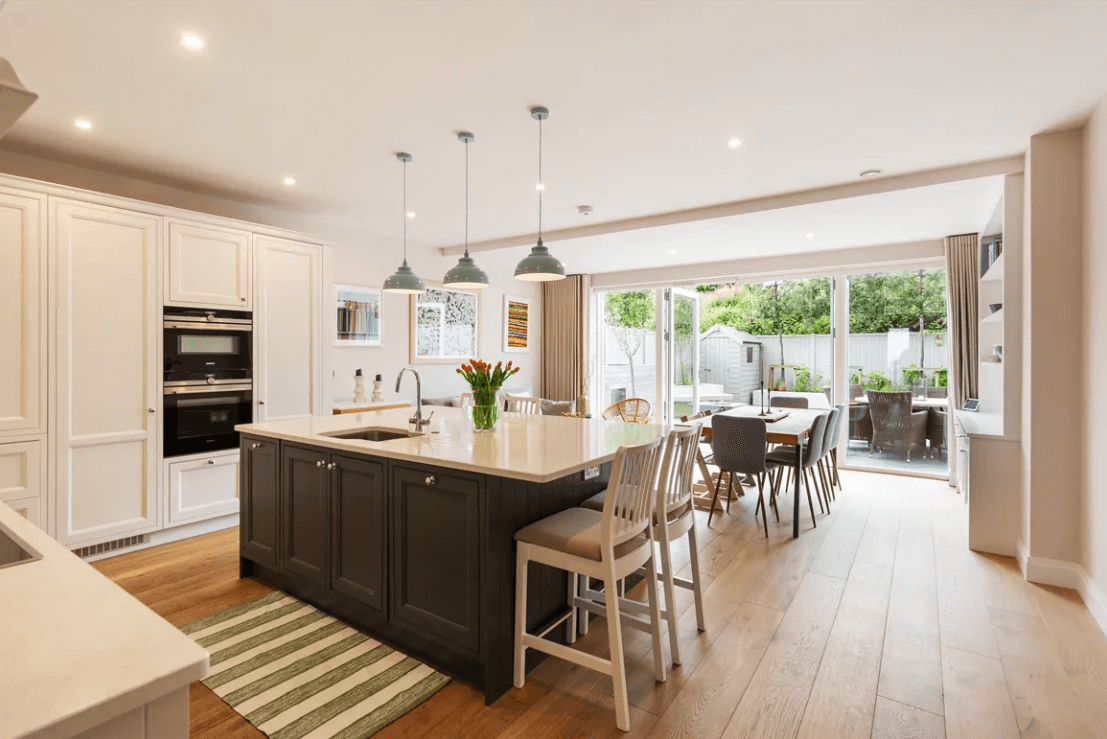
(486, 406)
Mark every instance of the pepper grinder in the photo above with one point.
(377, 397)
(359, 386)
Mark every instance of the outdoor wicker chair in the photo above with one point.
(895, 426)
(631, 410)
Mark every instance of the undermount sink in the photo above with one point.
(373, 434)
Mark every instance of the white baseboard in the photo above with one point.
(177, 533)
(1045, 571)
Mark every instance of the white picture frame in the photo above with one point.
(455, 313)
(358, 315)
(516, 335)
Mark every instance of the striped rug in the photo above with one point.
(296, 673)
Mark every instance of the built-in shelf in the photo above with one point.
(995, 272)
(996, 318)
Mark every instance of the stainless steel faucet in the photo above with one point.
(417, 420)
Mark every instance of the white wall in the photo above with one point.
(1052, 321)
(358, 258)
(359, 264)
(1093, 503)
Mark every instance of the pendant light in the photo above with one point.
(540, 265)
(404, 281)
(466, 274)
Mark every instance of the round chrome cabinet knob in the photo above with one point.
(430, 480)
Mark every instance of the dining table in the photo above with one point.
(793, 428)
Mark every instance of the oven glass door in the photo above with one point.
(204, 420)
(208, 350)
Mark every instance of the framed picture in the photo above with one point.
(516, 324)
(445, 325)
(358, 313)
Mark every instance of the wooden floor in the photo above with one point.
(879, 623)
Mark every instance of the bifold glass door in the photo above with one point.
(628, 348)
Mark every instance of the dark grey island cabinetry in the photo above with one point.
(418, 552)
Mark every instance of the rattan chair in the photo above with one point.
(895, 424)
(631, 410)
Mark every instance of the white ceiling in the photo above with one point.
(920, 214)
(644, 96)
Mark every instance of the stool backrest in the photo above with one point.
(738, 443)
(631, 491)
(674, 484)
(518, 404)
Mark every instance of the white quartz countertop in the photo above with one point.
(75, 649)
(980, 423)
(521, 446)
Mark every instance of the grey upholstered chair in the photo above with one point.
(788, 402)
(739, 449)
(830, 435)
(786, 457)
(836, 436)
(895, 424)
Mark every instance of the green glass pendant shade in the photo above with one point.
(540, 266)
(466, 275)
(405, 282)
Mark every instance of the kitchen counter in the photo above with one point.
(77, 652)
(527, 447)
(980, 423)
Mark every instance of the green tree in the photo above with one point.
(630, 314)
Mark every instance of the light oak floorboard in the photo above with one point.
(790, 646)
(978, 704)
(896, 721)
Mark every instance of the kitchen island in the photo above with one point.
(412, 538)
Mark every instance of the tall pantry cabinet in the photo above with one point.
(83, 279)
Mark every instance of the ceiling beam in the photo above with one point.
(874, 186)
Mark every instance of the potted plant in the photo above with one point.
(485, 381)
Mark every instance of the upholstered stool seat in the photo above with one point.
(575, 531)
(595, 503)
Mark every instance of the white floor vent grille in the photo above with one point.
(109, 546)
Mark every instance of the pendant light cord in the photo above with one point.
(542, 185)
(405, 212)
(466, 197)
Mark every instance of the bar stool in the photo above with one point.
(673, 518)
(608, 546)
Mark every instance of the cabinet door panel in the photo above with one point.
(287, 329)
(359, 530)
(435, 569)
(21, 470)
(30, 509)
(23, 308)
(202, 488)
(261, 484)
(208, 266)
(305, 513)
(108, 321)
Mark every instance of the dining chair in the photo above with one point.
(738, 445)
(631, 410)
(673, 518)
(607, 546)
(520, 404)
(788, 402)
(835, 438)
(786, 457)
(823, 462)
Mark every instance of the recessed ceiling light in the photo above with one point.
(290, 181)
(672, 251)
(82, 124)
(584, 210)
(810, 236)
(871, 172)
(192, 41)
(540, 186)
(734, 143)
(411, 214)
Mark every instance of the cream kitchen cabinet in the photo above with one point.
(207, 266)
(288, 329)
(23, 478)
(201, 487)
(23, 313)
(107, 362)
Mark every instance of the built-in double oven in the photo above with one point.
(208, 383)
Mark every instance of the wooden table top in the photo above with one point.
(788, 430)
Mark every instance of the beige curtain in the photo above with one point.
(962, 283)
(563, 337)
